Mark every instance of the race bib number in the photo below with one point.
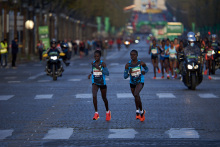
(209, 53)
(172, 55)
(97, 72)
(136, 72)
(154, 51)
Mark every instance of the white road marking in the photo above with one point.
(84, 64)
(127, 79)
(183, 133)
(36, 76)
(124, 95)
(14, 81)
(114, 64)
(107, 79)
(10, 78)
(122, 133)
(59, 133)
(207, 95)
(81, 96)
(74, 80)
(165, 95)
(44, 96)
(215, 78)
(5, 133)
(5, 97)
(42, 81)
(37, 65)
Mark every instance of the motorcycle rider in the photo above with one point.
(53, 48)
(215, 43)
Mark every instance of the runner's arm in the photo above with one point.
(144, 66)
(105, 70)
(126, 71)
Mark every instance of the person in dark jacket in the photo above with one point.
(14, 51)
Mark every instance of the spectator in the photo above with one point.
(4, 52)
(40, 48)
(14, 52)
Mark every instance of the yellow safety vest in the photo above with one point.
(3, 49)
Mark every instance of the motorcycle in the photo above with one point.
(127, 43)
(55, 68)
(216, 61)
(191, 71)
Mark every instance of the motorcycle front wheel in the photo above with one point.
(193, 82)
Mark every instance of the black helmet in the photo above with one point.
(53, 41)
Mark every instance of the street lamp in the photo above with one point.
(29, 24)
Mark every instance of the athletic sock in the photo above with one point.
(107, 111)
(96, 112)
(142, 111)
(137, 111)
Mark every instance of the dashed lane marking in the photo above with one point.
(207, 95)
(165, 95)
(114, 64)
(124, 95)
(215, 78)
(5, 97)
(5, 133)
(36, 76)
(44, 96)
(81, 96)
(43, 81)
(107, 79)
(74, 80)
(183, 133)
(59, 133)
(10, 78)
(122, 133)
(14, 81)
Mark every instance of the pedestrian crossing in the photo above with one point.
(118, 96)
(65, 133)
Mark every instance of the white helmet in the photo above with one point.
(191, 39)
(190, 34)
(214, 36)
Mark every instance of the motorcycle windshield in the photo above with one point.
(53, 54)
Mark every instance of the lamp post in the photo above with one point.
(29, 25)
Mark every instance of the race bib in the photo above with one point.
(97, 72)
(172, 55)
(209, 53)
(136, 72)
(154, 51)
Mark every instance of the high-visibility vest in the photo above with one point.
(3, 49)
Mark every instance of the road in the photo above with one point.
(37, 111)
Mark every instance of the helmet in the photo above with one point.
(190, 34)
(64, 45)
(213, 35)
(191, 39)
(53, 41)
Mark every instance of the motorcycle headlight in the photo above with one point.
(196, 67)
(53, 57)
(213, 52)
(189, 66)
(136, 41)
(127, 42)
(218, 52)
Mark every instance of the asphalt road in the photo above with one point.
(37, 111)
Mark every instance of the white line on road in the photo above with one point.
(59, 133)
(36, 76)
(183, 133)
(5, 133)
(43, 81)
(10, 78)
(81, 96)
(74, 80)
(14, 81)
(207, 95)
(122, 133)
(44, 96)
(124, 95)
(165, 95)
(114, 64)
(6, 97)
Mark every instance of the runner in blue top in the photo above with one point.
(134, 68)
(99, 70)
(154, 51)
(173, 58)
(166, 61)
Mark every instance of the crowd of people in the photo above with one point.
(166, 53)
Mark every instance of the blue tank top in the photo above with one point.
(172, 53)
(98, 77)
(166, 47)
(136, 76)
(154, 51)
